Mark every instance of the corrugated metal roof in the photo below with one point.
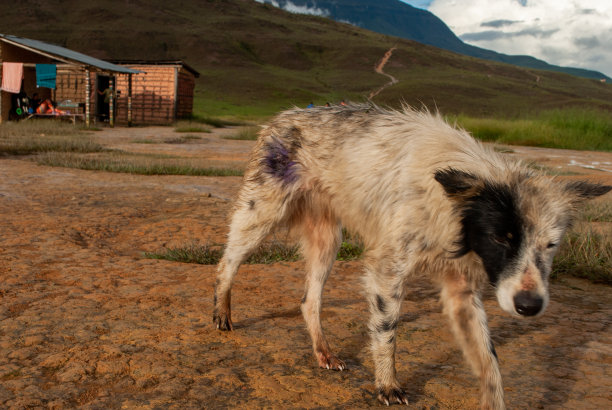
(64, 54)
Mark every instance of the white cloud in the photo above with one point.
(294, 8)
(562, 32)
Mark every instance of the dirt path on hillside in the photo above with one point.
(87, 321)
(379, 69)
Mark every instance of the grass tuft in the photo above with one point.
(275, 251)
(211, 254)
(587, 255)
(132, 164)
(184, 139)
(245, 133)
(31, 137)
(190, 126)
(202, 254)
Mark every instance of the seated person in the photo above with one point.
(47, 107)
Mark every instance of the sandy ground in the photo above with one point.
(87, 321)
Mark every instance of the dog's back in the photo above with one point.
(376, 167)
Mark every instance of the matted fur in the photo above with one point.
(427, 199)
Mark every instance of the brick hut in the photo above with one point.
(161, 93)
(138, 92)
(75, 76)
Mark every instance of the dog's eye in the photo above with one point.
(502, 240)
(551, 245)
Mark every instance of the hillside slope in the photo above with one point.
(251, 54)
(399, 19)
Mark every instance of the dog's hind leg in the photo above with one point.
(385, 292)
(259, 209)
(469, 323)
(321, 236)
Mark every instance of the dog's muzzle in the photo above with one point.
(527, 303)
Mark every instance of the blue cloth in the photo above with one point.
(46, 75)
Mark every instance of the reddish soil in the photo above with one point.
(86, 320)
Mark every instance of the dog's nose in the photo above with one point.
(527, 304)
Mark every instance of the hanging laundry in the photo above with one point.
(12, 74)
(46, 75)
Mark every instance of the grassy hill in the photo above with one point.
(255, 59)
(399, 19)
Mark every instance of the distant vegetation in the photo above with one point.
(574, 128)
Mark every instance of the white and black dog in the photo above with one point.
(427, 199)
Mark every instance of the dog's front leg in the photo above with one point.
(469, 323)
(385, 295)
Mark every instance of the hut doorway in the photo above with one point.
(103, 97)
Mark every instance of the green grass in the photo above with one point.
(202, 254)
(202, 115)
(211, 254)
(349, 251)
(578, 129)
(275, 251)
(183, 139)
(586, 254)
(133, 164)
(31, 137)
(245, 133)
(597, 211)
(190, 126)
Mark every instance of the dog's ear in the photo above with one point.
(458, 184)
(582, 190)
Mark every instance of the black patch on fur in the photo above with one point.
(587, 190)
(387, 326)
(380, 304)
(455, 181)
(278, 161)
(391, 339)
(304, 297)
(492, 227)
(492, 350)
(251, 204)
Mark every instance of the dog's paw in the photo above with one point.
(392, 395)
(222, 321)
(329, 361)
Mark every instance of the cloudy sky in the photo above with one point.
(573, 33)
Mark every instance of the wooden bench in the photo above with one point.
(71, 117)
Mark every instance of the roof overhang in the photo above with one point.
(65, 55)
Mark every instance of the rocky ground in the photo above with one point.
(87, 321)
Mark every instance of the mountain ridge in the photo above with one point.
(396, 18)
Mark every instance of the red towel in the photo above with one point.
(12, 73)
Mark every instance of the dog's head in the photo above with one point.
(515, 227)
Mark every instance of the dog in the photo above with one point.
(427, 199)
